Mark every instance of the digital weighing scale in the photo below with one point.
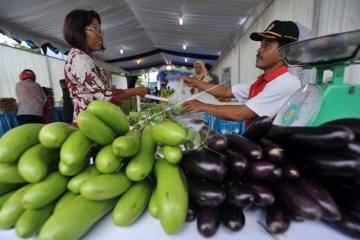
(314, 104)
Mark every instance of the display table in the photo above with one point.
(150, 229)
(8, 120)
(224, 126)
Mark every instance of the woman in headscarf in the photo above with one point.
(201, 73)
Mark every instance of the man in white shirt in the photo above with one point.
(268, 93)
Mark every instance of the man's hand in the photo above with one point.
(190, 81)
(194, 106)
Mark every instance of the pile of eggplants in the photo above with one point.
(292, 173)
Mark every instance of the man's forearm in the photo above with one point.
(214, 89)
(230, 112)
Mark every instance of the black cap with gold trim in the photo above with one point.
(278, 30)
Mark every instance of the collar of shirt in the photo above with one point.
(274, 74)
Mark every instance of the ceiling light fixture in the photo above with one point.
(168, 67)
(181, 20)
(121, 50)
(138, 61)
(186, 59)
(184, 46)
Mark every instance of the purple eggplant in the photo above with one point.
(275, 175)
(352, 123)
(297, 202)
(353, 148)
(278, 219)
(290, 170)
(236, 161)
(204, 164)
(348, 225)
(307, 139)
(192, 211)
(264, 196)
(331, 164)
(317, 192)
(355, 214)
(208, 221)
(346, 196)
(233, 218)
(297, 218)
(238, 194)
(260, 170)
(250, 149)
(356, 181)
(205, 193)
(258, 129)
(272, 151)
(213, 140)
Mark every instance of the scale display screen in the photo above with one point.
(301, 106)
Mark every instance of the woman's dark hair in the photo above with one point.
(74, 27)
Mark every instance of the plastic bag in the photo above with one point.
(182, 94)
(205, 97)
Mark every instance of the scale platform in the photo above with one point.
(315, 104)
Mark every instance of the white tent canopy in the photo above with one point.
(146, 30)
(214, 31)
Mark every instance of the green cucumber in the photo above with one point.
(75, 219)
(31, 221)
(12, 208)
(72, 170)
(172, 153)
(78, 180)
(141, 164)
(9, 173)
(153, 208)
(75, 148)
(169, 133)
(7, 187)
(5, 197)
(105, 186)
(94, 128)
(127, 145)
(43, 193)
(54, 134)
(64, 200)
(172, 196)
(16, 141)
(34, 163)
(110, 114)
(106, 161)
(132, 204)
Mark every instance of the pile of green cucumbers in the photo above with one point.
(49, 188)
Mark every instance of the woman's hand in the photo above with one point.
(141, 91)
(194, 106)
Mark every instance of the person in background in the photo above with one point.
(215, 78)
(49, 104)
(269, 92)
(85, 80)
(31, 98)
(201, 74)
(68, 106)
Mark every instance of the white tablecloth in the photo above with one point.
(148, 228)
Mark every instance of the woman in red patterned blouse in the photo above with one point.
(84, 78)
